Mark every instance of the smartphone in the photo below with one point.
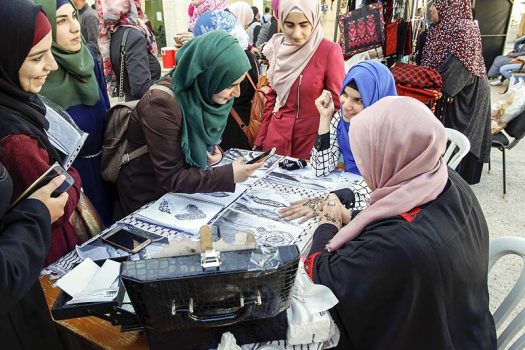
(264, 155)
(55, 170)
(126, 240)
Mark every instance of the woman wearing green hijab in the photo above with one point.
(78, 86)
(179, 130)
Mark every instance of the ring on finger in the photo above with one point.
(331, 203)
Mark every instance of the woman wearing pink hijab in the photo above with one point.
(410, 270)
(302, 64)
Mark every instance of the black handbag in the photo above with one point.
(203, 295)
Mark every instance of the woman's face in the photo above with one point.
(296, 28)
(351, 103)
(230, 92)
(68, 28)
(434, 15)
(37, 65)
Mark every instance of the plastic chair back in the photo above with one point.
(458, 142)
(497, 249)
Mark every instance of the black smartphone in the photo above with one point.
(126, 240)
(263, 155)
(53, 171)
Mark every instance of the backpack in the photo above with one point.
(256, 110)
(114, 145)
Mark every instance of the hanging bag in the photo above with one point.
(362, 29)
(256, 110)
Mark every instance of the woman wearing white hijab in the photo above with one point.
(302, 65)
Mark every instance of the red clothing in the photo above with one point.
(25, 161)
(293, 129)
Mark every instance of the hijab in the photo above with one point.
(288, 60)
(374, 81)
(113, 14)
(74, 82)
(213, 20)
(455, 34)
(243, 12)
(207, 5)
(20, 112)
(398, 145)
(206, 65)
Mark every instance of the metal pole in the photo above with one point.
(337, 12)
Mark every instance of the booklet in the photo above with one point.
(63, 133)
(188, 212)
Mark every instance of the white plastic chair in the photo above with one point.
(497, 249)
(457, 141)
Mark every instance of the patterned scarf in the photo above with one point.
(455, 34)
(213, 20)
(113, 14)
(207, 5)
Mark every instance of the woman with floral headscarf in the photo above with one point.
(233, 136)
(78, 86)
(124, 20)
(201, 6)
(410, 270)
(181, 131)
(453, 47)
(302, 64)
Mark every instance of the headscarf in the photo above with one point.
(243, 12)
(213, 20)
(398, 144)
(456, 34)
(275, 7)
(288, 60)
(74, 82)
(207, 5)
(20, 112)
(206, 65)
(113, 14)
(374, 81)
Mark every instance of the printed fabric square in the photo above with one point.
(362, 29)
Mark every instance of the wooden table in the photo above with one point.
(93, 332)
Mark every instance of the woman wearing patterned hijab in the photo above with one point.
(78, 86)
(201, 6)
(118, 17)
(302, 64)
(410, 270)
(179, 130)
(453, 47)
(233, 136)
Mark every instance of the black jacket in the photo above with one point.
(25, 235)
(142, 69)
(413, 285)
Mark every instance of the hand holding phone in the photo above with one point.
(54, 205)
(262, 156)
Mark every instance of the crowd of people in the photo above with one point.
(409, 270)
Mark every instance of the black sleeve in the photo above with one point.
(455, 76)
(137, 64)
(322, 142)
(322, 235)
(346, 196)
(24, 240)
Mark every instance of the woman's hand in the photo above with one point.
(182, 38)
(54, 205)
(325, 107)
(332, 213)
(215, 157)
(303, 208)
(242, 171)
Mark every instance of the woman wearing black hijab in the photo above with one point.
(25, 230)
(26, 151)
